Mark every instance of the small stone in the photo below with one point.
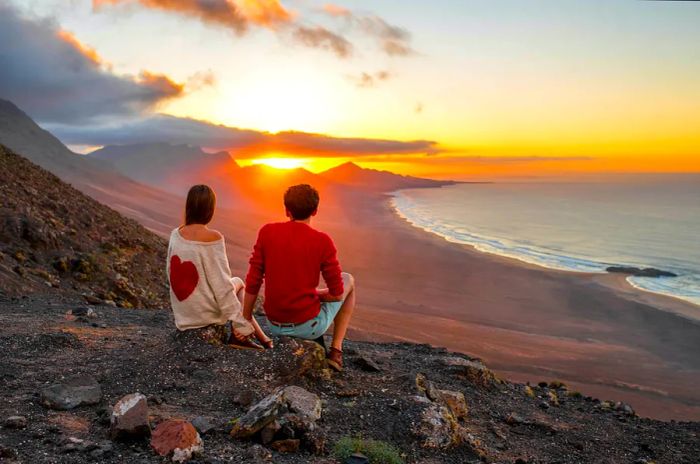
(544, 405)
(529, 391)
(553, 398)
(514, 419)
(367, 364)
(244, 398)
(73, 392)
(290, 445)
(16, 422)
(203, 425)
(7, 453)
(129, 419)
(357, 458)
(267, 434)
(258, 454)
(177, 439)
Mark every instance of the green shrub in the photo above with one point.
(378, 452)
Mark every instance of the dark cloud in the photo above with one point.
(368, 80)
(242, 143)
(55, 78)
(320, 37)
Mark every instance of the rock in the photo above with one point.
(257, 454)
(91, 299)
(177, 439)
(73, 392)
(625, 408)
(438, 427)
(553, 398)
(529, 391)
(637, 272)
(282, 402)
(357, 458)
(203, 425)
(544, 405)
(557, 385)
(310, 359)
(366, 364)
(290, 445)
(244, 398)
(102, 450)
(315, 442)
(514, 419)
(84, 312)
(7, 453)
(456, 402)
(267, 434)
(16, 422)
(473, 371)
(129, 419)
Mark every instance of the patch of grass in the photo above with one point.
(378, 452)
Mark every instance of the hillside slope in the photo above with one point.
(434, 406)
(52, 235)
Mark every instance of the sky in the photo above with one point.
(461, 89)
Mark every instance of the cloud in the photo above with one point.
(367, 80)
(336, 10)
(236, 15)
(55, 78)
(320, 37)
(393, 40)
(242, 142)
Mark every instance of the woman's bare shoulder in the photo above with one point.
(211, 235)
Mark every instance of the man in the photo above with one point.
(290, 257)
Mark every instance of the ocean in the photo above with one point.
(641, 221)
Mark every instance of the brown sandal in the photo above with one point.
(243, 342)
(335, 359)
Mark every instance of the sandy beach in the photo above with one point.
(595, 332)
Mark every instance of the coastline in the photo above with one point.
(527, 322)
(668, 301)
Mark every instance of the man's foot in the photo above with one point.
(335, 359)
(242, 342)
(267, 343)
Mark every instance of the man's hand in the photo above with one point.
(325, 296)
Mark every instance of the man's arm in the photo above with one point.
(332, 275)
(254, 279)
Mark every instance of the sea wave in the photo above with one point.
(685, 287)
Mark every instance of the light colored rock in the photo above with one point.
(456, 402)
(474, 371)
(129, 418)
(177, 439)
(290, 400)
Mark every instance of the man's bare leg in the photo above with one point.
(342, 319)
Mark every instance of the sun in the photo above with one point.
(279, 163)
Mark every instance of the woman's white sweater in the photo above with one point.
(202, 291)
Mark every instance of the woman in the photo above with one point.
(203, 295)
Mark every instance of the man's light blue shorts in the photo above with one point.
(313, 328)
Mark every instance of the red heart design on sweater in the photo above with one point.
(183, 277)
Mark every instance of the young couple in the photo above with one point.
(288, 256)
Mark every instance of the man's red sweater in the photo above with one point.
(290, 256)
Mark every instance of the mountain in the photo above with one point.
(375, 180)
(52, 235)
(173, 168)
(92, 176)
(21, 134)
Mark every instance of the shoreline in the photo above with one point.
(695, 315)
(528, 322)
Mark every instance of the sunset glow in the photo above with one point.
(490, 90)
